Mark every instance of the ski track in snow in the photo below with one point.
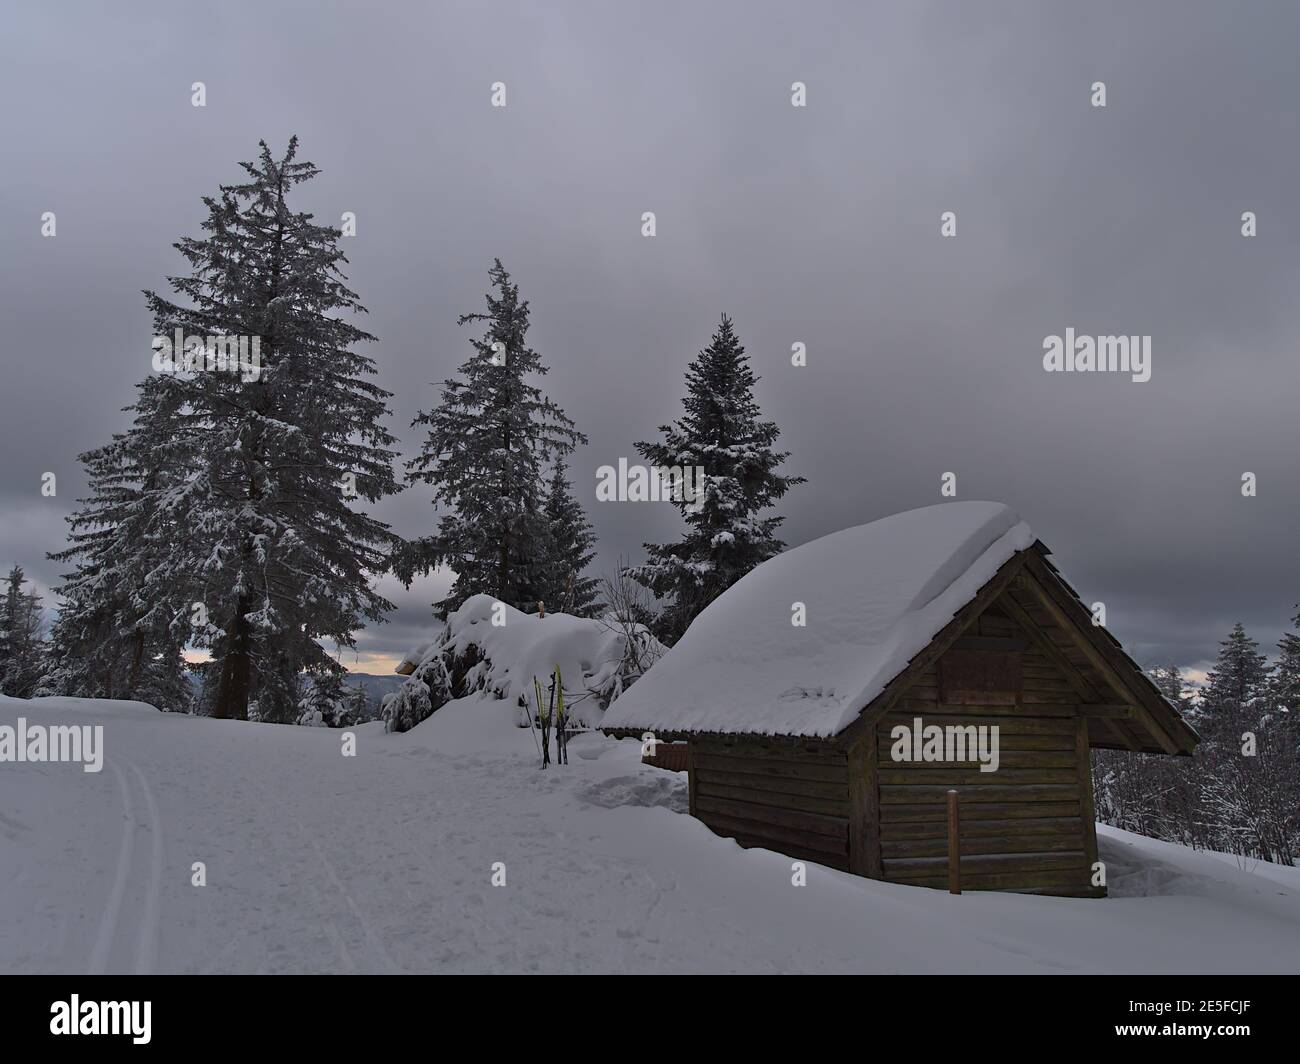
(376, 943)
(147, 950)
(108, 922)
(383, 863)
(109, 952)
(383, 961)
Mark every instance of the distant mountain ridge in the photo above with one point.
(375, 685)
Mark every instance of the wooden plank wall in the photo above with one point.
(1026, 827)
(670, 756)
(792, 797)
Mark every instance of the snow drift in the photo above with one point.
(874, 596)
(598, 659)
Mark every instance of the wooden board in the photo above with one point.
(829, 806)
(969, 676)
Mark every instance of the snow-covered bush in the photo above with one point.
(487, 646)
(326, 701)
(424, 690)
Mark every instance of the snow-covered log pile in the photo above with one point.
(490, 647)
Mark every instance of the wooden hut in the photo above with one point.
(801, 691)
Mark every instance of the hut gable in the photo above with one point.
(1029, 630)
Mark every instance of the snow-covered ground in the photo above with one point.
(383, 862)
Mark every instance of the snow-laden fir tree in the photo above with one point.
(1285, 695)
(21, 629)
(122, 624)
(1236, 689)
(484, 453)
(1173, 685)
(570, 548)
(727, 534)
(328, 702)
(359, 708)
(269, 466)
(1250, 787)
(324, 702)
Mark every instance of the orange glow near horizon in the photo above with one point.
(376, 664)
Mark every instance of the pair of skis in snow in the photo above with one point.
(554, 712)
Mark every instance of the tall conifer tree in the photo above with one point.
(1250, 787)
(1237, 686)
(484, 452)
(723, 433)
(124, 621)
(570, 548)
(21, 647)
(266, 469)
(1285, 694)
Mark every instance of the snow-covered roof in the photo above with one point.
(874, 596)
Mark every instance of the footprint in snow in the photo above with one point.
(667, 792)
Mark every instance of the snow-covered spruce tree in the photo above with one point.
(723, 434)
(122, 626)
(328, 702)
(1284, 726)
(358, 707)
(21, 646)
(428, 688)
(269, 533)
(324, 702)
(1236, 688)
(487, 443)
(1173, 685)
(570, 548)
(1249, 795)
(1285, 693)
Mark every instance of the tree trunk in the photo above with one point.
(137, 660)
(503, 558)
(503, 569)
(236, 668)
(235, 682)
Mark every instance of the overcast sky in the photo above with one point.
(818, 224)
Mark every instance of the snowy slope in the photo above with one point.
(383, 862)
(875, 595)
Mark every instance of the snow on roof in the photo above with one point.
(875, 596)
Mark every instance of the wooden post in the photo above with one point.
(954, 846)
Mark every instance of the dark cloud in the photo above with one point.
(819, 225)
